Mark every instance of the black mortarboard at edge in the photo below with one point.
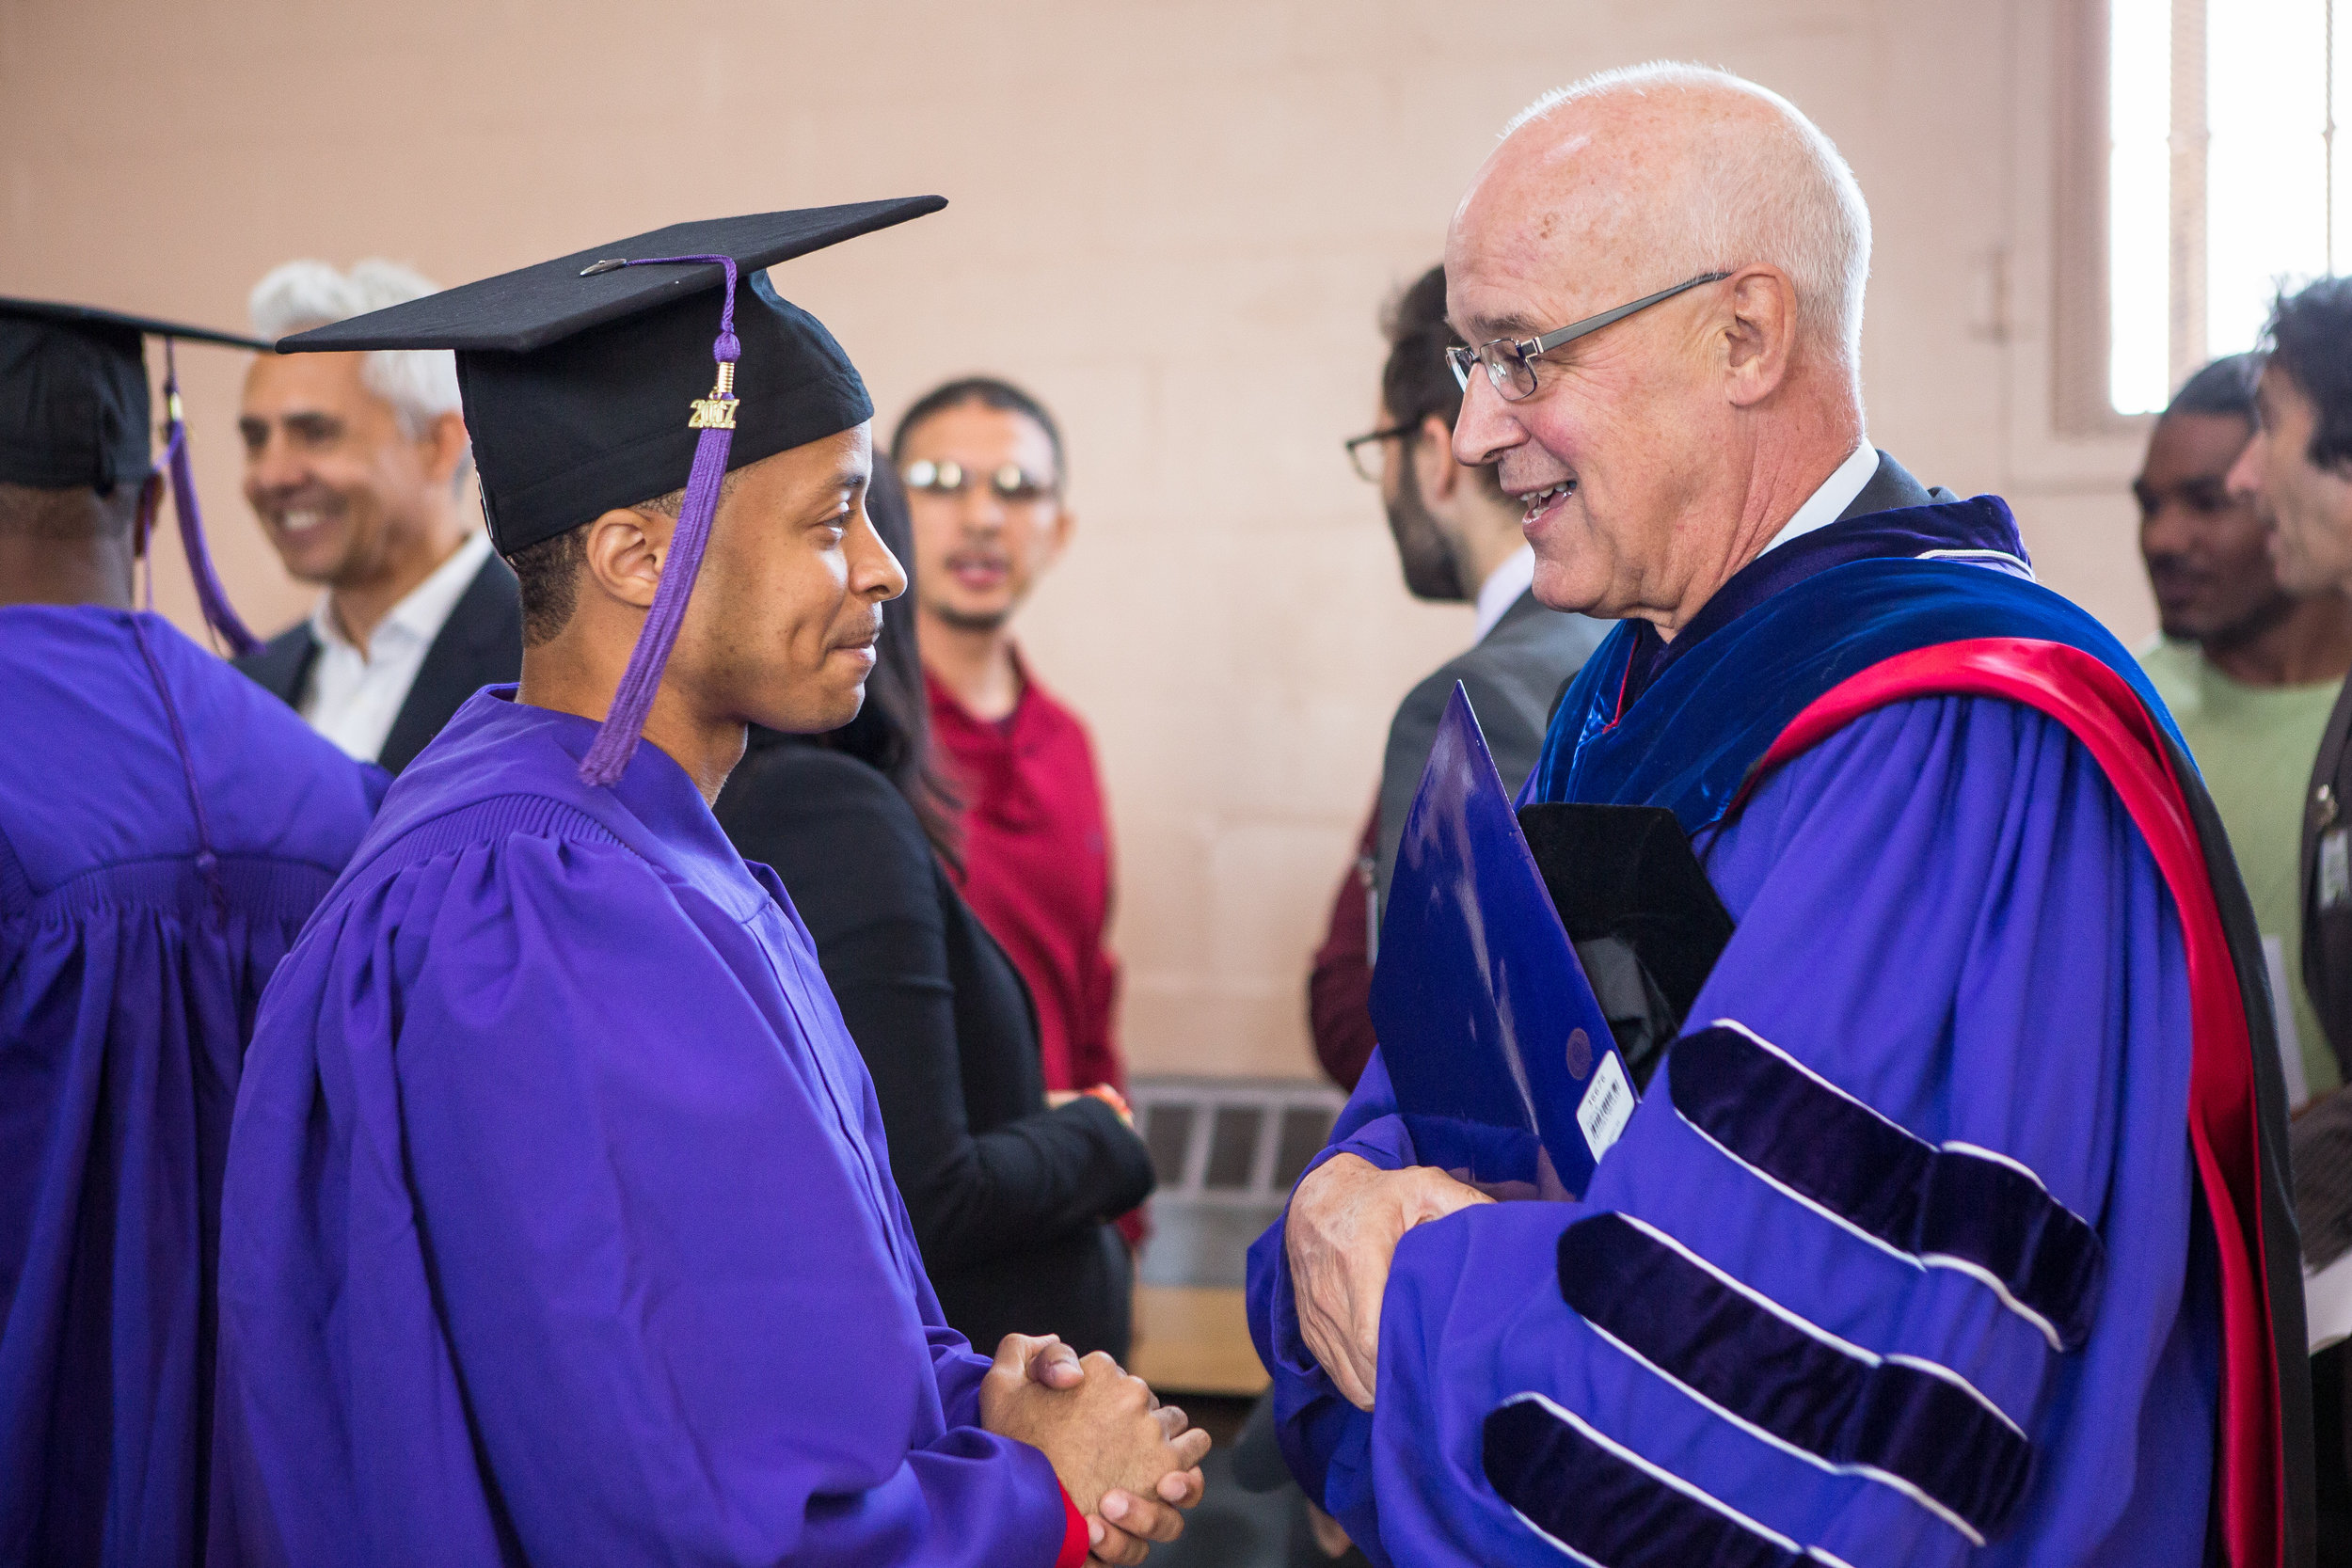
(152, 327)
(74, 411)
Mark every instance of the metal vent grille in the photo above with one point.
(1227, 1152)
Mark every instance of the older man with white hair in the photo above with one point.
(357, 466)
(1950, 1226)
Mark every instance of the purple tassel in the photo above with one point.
(210, 595)
(632, 699)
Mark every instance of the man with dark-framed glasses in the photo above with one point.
(1951, 1225)
(1457, 540)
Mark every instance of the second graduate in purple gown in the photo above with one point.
(165, 829)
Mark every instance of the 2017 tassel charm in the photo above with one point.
(713, 416)
(717, 411)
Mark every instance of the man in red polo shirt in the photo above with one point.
(983, 466)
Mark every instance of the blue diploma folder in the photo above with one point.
(1504, 1068)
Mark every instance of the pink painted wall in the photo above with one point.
(1176, 220)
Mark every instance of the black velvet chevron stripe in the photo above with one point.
(1941, 1206)
(1606, 1506)
(1924, 1432)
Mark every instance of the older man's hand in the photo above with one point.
(1341, 1236)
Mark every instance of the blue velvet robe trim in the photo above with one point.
(1900, 1421)
(1594, 1500)
(1650, 755)
(1942, 1206)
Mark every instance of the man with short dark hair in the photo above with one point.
(1457, 540)
(984, 470)
(165, 829)
(2298, 469)
(2247, 668)
(560, 1224)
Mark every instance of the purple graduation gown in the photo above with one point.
(558, 1226)
(166, 827)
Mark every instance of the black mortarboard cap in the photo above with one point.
(577, 382)
(74, 411)
(73, 399)
(588, 384)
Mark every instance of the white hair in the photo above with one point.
(420, 384)
(1792, 202)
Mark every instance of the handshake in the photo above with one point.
(1130, 1463)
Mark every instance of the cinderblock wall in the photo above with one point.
(1175, 219)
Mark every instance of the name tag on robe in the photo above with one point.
(1504, 1067)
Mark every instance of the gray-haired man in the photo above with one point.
(1952, 1228)
(357, 465)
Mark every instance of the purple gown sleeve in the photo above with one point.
(615, 1274)
(1871, 1277)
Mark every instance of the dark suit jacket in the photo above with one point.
(2326, 955)
(481, 645)
(1010, 1202)
(1512, 674)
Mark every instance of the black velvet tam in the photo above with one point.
(73, 399)
(1645, 920)
(579, 374)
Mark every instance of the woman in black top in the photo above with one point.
(1011, 1200)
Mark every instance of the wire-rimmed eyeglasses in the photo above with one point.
(1511, 361)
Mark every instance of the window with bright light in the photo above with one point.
(2222, 178)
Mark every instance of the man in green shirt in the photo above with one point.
(2249, 669)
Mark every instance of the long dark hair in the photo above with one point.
(892, 731)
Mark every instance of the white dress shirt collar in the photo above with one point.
(1503, 588)
(417, 617)
(1836, 493)
(353, 698)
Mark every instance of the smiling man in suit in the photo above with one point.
(357, 465)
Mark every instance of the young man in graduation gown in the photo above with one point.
(1952, 1228)
(165, 829)
(559, 1220)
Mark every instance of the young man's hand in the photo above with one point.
(1130, 1463)
(1131, 1523)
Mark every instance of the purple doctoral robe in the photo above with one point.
(2047, 1024)
(166, 827)
(558, 1224)
(1951, 1032)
